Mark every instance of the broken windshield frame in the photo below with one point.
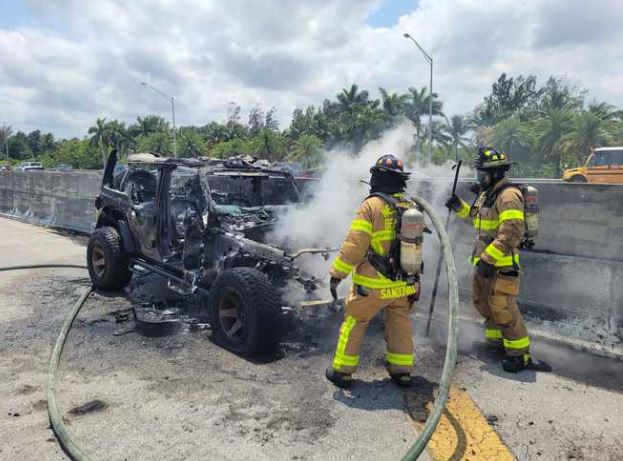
(250, 189)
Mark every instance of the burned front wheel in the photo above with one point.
(106, 260)
(245, 312)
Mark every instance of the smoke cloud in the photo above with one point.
(324, 220)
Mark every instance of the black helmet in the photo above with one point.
(390, 164)
(488, 157)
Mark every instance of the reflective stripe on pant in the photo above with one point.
(493, 334)
(398, 332)
(496, 300)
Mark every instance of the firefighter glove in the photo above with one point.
(454, 203)
(484, 269)
(333, 283)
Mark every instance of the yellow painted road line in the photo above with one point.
(463, 432)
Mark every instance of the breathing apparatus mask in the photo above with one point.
(483, 179)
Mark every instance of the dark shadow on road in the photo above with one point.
(579, 366)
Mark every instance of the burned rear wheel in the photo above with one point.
(245, 312)
(106, 260)
(577, 178)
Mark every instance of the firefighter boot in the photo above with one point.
(514, 364)
(402, 379)
(341, 380)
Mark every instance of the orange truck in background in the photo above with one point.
(604, 166)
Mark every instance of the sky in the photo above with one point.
(63, 63)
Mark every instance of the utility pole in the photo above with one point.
(172, 99)
(429, 59)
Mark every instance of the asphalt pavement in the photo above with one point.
(183, 397)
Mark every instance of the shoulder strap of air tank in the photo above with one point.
(393, 201)
(493, 199)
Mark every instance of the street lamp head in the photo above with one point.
(144, 83)
(406, 35)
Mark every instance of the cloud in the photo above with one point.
(78, 61)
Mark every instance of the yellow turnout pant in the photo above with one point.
(359, 311)
(495, 299)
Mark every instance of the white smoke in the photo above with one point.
(324, 220)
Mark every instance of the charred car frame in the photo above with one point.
(202, 225)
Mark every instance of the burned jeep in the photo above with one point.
(201, 224)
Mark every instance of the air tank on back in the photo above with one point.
(531, 210)
(411, 236)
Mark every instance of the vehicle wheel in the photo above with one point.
(245, 312)
(106, 260)
(577, 178)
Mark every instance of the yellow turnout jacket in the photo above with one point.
(372, 229)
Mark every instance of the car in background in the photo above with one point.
(29, 166)
(5, 168)
(603, 166)
(63, 167)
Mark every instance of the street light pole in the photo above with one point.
(172, 99)
(429, 59)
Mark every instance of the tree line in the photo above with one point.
(542, 128)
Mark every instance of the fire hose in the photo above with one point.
(56, 420)
(453, 334)
(76, 453)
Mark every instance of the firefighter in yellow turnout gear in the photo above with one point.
(498, 218)
(364, 254)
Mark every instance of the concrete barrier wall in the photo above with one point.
(51, 198)
(576, 268)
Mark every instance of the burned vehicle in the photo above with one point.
(201, 224)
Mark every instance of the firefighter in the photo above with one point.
(498, 218)
(365, 253)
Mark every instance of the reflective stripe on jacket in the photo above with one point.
(499, 228)
(372, 228)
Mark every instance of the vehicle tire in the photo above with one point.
(577, 178)
(106, 260)
(245, 312)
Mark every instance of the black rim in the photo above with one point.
(98, 260)
(232, 316)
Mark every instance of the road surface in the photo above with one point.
(183, 397)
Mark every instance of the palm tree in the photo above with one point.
(416, 105)
(349, 98)
(510, 134)
(215, 133)
(366, 123)
(604, 111)
(48, 144)
(99, 138)
(588, 132)
(439, 137)
(307, 149)
(558, 95)
(393, 104)
(549, 131)
(456, 129)
(158, 143)
(191, 144)
(117, 135)
(147, 125)
(269, 145)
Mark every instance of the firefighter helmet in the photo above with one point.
(390, 164)
(488, 157)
